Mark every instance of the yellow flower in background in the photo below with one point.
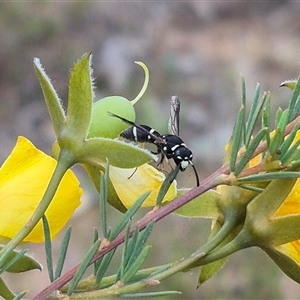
(24, 177)
(132, 183)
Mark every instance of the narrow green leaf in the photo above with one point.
(287, 143)
(135, 265)
(294, 100)
(139, 246)
(270, 176)
(250, 150)
(292, 153)
(126, 253)
(53, 102)
(166, 185)
(266, 119)
(276, 142)
(128, 215)
(62, 253)
(295, 164)
(244, 104)
(5, 292)
(296, 110)
(256, 108)
(104, 265)
(48, 248)
(123, 155)
(283, 120)
(243, 84)
(5, 257)
(83, 266)
(102, 204)
(131, 245)
(80, 97)
(97, 262)
(278, 116)
(20, 296)
(150, 294)
(252, 188)
(237, 138)
(254, 104)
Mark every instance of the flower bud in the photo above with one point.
(104, 125)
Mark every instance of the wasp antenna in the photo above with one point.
(121, 118)
(196, 174)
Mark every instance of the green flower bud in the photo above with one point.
(102, 124)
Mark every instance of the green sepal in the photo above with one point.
(285, 229)
(23, 264)
(52, 99)
(203, 206)
(260, 211)
(287, 264)
(5, 292)
(267, 202)
(122, 155)
(80, 98)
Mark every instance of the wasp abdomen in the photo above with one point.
(140, 136)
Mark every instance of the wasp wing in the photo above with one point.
(173, 124)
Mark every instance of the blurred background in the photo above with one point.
(196, 50)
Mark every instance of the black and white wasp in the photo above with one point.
(170, 146)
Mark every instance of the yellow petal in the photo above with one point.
(24, 177)
(291, 204)
(132, 183)
(291, 249)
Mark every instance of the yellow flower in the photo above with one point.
(24, 177)
(287, 256)
(132, 183)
